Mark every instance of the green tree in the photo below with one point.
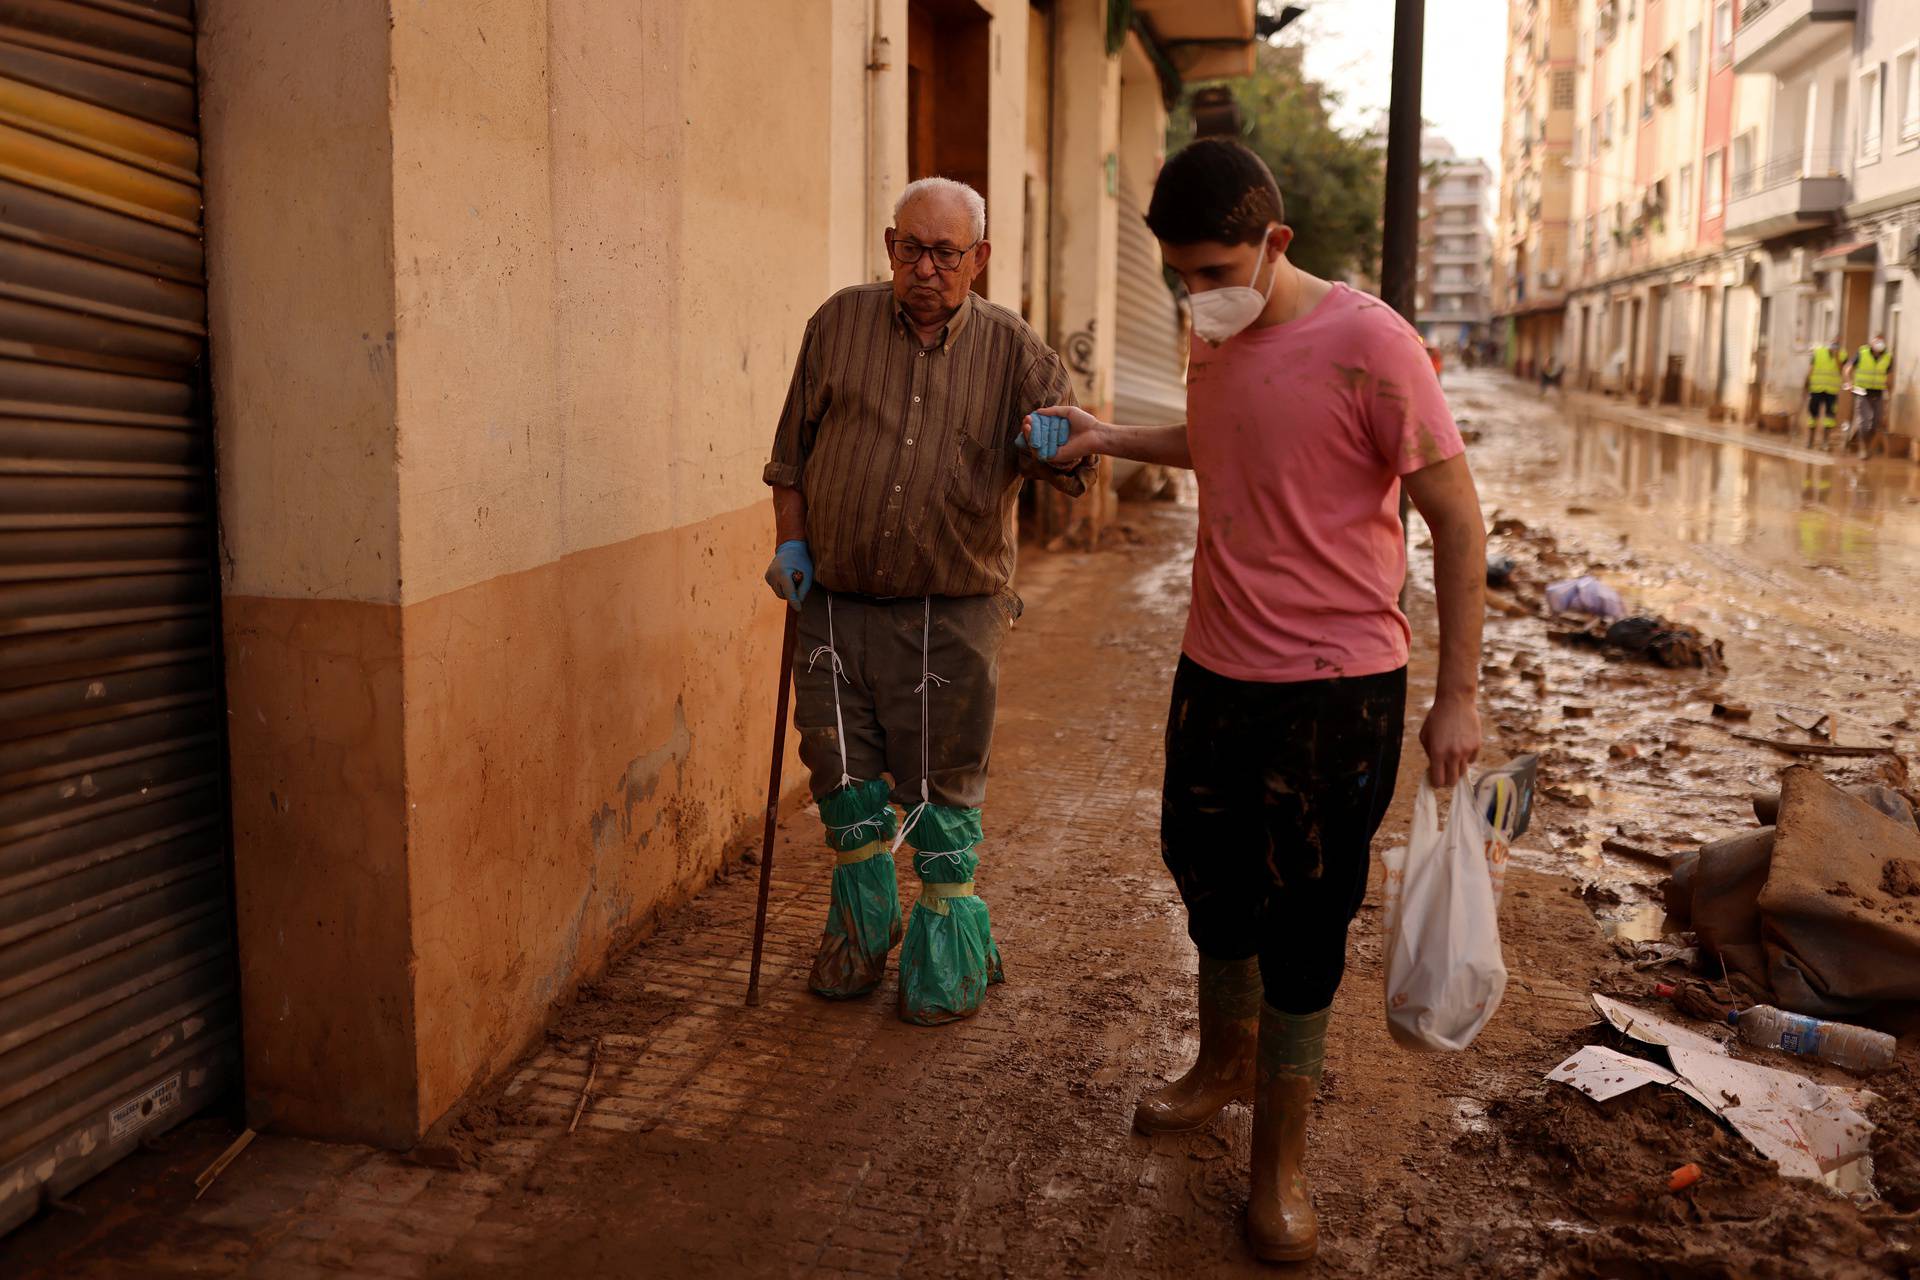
(1331, 181)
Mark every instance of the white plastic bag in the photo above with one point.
(1445, 975)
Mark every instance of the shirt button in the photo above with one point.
(896, 488)
(909, 439)
(916, 399)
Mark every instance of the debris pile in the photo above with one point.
(1817, 914)
(1527, 581)
(1656, 639)
(1813, 1131)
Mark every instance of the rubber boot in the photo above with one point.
(1281, 1226)
(1229, 999)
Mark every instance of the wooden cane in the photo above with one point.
(773, 799)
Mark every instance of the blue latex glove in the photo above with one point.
(789, 559)
(1046, 434)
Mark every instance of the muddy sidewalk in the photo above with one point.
(808, 1138)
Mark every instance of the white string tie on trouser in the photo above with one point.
(839, 726)
(927, 681)
(957, 858)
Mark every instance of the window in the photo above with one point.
(1723, 33)
(1626, 107)
(1606, 126)
(1906, 82)
(1578, 138)
(1563, 91)
(1873, 112)
(1593, 139)
(1712, 184)
(1685, 193)
(1743, 160)
(1693, 58)
(1649, 86)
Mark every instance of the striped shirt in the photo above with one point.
(907, 455)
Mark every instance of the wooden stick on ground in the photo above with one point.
(586, 1090)
(218, 1167)
(1815, 748)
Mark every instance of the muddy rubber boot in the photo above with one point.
(1229, 1030)
(1281, 1226)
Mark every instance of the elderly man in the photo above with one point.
(894, 471)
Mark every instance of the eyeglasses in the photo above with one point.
(945, 257)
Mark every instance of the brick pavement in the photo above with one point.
(813, 1138)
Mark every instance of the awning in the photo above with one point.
(1856, 253)
(1204, 39)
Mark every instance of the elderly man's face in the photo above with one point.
(934, 224)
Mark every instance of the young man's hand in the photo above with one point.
(1451, 737)
(1060, 435)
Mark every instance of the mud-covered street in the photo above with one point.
(809, 1138)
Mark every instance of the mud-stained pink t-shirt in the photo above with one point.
(1300, 433)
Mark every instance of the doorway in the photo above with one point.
(947, 88)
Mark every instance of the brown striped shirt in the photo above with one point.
(907, 455)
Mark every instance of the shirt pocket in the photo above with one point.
(978, 476)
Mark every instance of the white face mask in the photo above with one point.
(1218, 314)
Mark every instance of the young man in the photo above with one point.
(1823, 392)
(1867, 374)
(1308, 406)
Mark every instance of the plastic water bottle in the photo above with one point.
(1842, 1044)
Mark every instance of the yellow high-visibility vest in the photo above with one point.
(1870, 371)
(1826, 371)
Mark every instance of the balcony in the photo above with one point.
(1775, 35)
(1791, 193)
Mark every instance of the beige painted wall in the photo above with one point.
(1006, 151)
(1086, 133)
(300, 287)
(609, 235)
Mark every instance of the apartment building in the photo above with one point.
(1744, 180)
(1453, 298)
(1826, 184)
(1649, 180)
(1531, 270)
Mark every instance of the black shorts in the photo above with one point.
(1272, 796)
(1820, 404)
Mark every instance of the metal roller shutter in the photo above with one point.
(117, 979)
(1149, 362)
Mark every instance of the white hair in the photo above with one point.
(972, 201)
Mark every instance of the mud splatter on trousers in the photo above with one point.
(1271, 798)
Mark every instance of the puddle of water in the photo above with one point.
(1635, 922)
(1804, 511)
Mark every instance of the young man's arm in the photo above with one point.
(1087, 436)
(1445, 497)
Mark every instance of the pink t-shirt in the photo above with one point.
(1300, 433)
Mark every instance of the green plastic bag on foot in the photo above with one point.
(863, 908)
(949, 958)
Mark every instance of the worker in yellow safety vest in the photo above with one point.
(1868, 371)
(1823, 391)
